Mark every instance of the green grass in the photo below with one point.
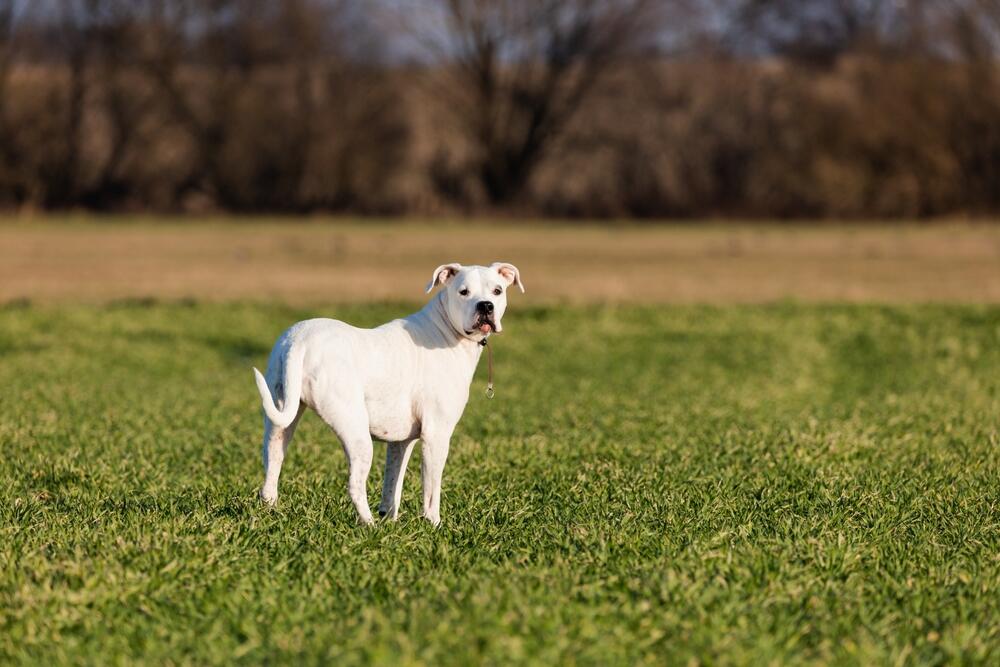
(794, 484)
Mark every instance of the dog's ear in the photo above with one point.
(443, 274)
(509, 273)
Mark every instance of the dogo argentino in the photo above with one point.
(406, 380)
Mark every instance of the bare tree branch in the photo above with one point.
(520, 69)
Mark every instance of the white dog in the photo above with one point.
(404, 380)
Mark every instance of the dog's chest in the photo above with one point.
(391, 416)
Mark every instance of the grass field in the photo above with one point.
(734, 484)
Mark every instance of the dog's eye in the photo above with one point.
(498, 291)
(464, 291)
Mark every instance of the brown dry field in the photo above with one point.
(334, 260)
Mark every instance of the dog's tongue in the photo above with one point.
(485, 328)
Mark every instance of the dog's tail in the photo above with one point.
(293, 390)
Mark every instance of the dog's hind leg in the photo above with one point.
(276, 441)
(397, 455)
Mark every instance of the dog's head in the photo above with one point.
(475, 297)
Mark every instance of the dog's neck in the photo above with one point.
(436, 314)
(439, 312)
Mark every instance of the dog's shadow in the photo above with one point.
(184, 503)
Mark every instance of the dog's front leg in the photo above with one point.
(435, 453)
(359, 463)
(397, 455)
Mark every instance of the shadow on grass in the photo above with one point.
(182, 504)
(231, 347)
(240, 348)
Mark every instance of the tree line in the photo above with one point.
(569, 108)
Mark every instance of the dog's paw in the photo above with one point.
(268, 498)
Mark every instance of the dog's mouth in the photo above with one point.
(483, 324)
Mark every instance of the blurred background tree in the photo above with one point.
(513, 74)
(589, 108)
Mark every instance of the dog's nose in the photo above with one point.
(485, 307)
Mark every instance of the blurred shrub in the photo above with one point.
(558, 108)
(241, 105)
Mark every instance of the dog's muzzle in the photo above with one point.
(484, 318)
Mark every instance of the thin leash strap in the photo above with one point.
(489, 359)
